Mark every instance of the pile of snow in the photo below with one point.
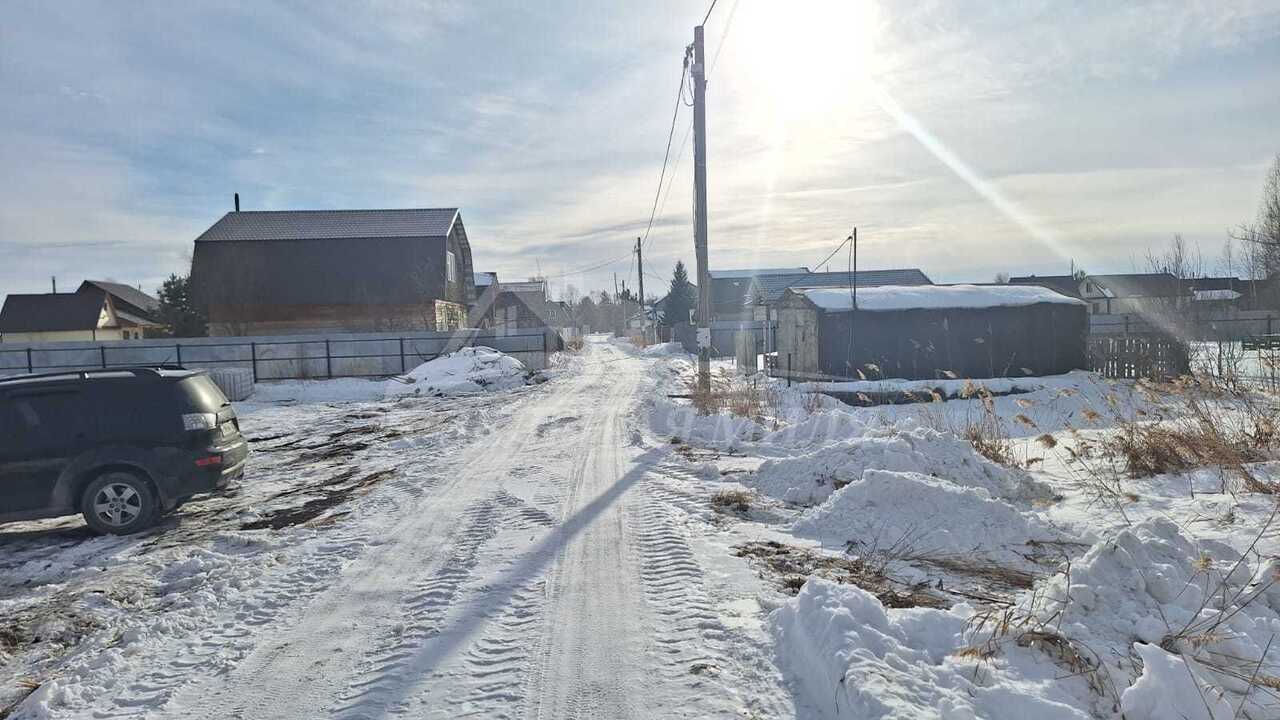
(812, 478)
(669, 349)
(468, 370)
(852, 658)
(1151, 586)
(817, 429)
(1155, 609)
(935, 297)
(683, 422)
(317, 391)
(930, 515)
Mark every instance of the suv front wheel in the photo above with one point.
(119, 503)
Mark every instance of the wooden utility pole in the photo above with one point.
(700, 209)
(644, 317)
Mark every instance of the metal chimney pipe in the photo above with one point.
(54, 279)
(237, 202)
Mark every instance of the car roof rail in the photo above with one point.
(136, 370)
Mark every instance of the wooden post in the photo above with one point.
(30, 368)
(328, 360)
(178, 347)
(102, 349)
(402, 367)
(253, 358)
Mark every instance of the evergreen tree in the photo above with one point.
(680, 298)
(177, 311)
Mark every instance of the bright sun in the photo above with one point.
(810, 57)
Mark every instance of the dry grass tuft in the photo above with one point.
(732, 499)
(736, 396)
(988, 437)
(791, 566)
(1223, 428)
(574, 345)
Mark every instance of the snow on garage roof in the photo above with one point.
(926, 297)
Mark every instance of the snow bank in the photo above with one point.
(952, 388)
(664, 350)
(468, 370)
(933, 297)
(721, 431)
(1151, 585)
(1165, 690)
(812, 478)
(317, 391)
(809, 430)
(852, 658)
(933, 515)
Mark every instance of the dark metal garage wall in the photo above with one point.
(1041, 339)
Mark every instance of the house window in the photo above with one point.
(450, 267)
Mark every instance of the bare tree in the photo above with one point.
(1180, 259)
(1264, 231)
(1002, 278)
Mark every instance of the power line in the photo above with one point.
(597, 266)
(724, 35)
(833, 254)
(685, 141)
(708, 15)
(666, 155)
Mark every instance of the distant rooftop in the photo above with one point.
(770, 289)
(50, 312)
(330, 224)
(740, 274)
(927, 297)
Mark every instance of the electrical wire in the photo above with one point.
(666, 155)
(723, 36)
(597, 266)
(708, 15)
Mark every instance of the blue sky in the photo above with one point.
(964, 138)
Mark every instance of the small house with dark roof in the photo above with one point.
(730, 288)
(59, 317)
(1117, 294)
(313, 271)
(137, 311)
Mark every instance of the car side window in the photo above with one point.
(42, 420)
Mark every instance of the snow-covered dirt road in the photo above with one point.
(526, 556)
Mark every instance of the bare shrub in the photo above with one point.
(574, 344)
(737, 397)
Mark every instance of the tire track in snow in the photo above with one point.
(699, 651)
(397, 657)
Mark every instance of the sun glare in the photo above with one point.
(810, 57)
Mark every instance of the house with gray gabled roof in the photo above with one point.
(314, 271)
(59, 317)
(729, 289)
(136, 310)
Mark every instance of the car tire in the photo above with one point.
(119, 503)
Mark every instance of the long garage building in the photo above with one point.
(930, 331)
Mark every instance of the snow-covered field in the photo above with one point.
(474, 541)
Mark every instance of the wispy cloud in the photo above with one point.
(1098, 126)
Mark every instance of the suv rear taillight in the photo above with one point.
(199, 421)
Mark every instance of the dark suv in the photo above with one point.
(121, 446)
